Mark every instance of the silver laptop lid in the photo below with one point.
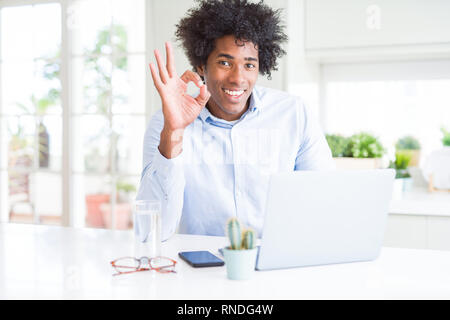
(324, 217)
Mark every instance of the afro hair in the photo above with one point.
(246, 21)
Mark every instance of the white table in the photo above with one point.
(47, 262)
(421, 202)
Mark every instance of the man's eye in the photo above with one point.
(224, 63)
(250, 66)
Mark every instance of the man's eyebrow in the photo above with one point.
(225, 55)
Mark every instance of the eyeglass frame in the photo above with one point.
(138, 269)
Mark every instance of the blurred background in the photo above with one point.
(76, 95)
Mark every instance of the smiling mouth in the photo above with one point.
(234, 93)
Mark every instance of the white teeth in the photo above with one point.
(234, 93)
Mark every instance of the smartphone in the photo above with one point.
(199, 259)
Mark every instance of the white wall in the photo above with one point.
(373, 23)
(328, 33)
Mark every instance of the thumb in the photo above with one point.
(204, 96)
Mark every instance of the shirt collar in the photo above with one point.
(253, 107)
(255, 101)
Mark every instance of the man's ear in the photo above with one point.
(201, 71)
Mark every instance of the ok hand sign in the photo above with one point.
(179, 108)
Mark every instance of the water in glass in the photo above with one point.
(147, 227)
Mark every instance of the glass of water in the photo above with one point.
(147, 228)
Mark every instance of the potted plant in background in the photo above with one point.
(337, 143)
(437, 166)
(360, 151)
(22, 147)
(41, 105)
(240, 256)
(411, 145)
(112, 38)
(125, 193)
(403, 180)
(20, 156)
(94, 215)
(445, 137)
(99, 207)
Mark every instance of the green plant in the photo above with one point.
(125, 187)
(18, 139)
(240, 240)
(400, 164)
(20, 147)
(113, 38)
(337, 143)
(407, 143)
(99, 95)
(124, 191)
(40, 106)
(446, 137)
(364, 145)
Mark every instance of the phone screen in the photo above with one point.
(201, 259)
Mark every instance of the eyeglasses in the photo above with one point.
(130, 264)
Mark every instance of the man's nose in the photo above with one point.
(236, 76)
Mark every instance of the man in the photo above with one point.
(210, 157)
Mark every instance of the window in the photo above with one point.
(31, 113)
(390, 100)
(101, 43)
(108, 109)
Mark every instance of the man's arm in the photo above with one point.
(162, 177)
(171, 142)
(314, 152)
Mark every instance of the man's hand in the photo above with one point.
(179, 108)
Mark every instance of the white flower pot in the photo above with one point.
(407, 184)
(346, 163)
(397, 192)
(240, 264)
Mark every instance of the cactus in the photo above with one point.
(240, 240)
(248, 239)
(234, 233)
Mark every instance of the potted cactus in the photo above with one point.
(240, 256)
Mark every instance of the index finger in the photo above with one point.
(170, 62)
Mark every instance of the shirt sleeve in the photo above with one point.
(162, 179)
(314, 152)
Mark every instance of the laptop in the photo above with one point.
(324, 217)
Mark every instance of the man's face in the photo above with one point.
(230, 74)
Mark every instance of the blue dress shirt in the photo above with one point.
(224, 168)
